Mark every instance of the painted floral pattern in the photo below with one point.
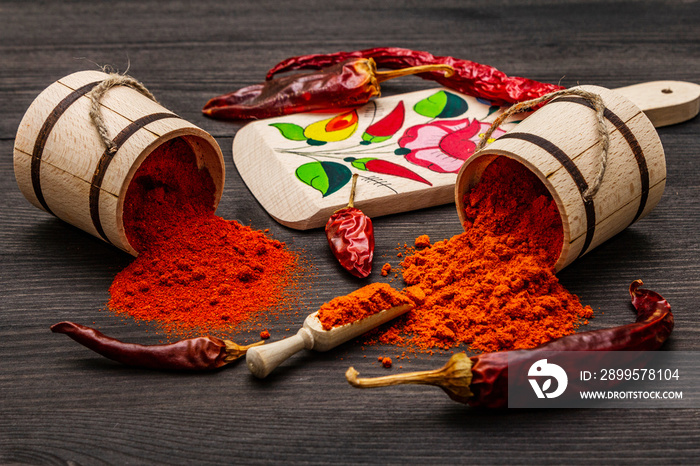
(441, 142)
(443, 145)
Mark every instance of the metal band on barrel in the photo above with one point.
(43, 136)
(634, 146)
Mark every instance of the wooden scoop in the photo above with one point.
(262, 360)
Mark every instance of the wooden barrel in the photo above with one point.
(560, 144)
(62, 166)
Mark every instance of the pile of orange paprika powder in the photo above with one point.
(196, 272)
(492, 287)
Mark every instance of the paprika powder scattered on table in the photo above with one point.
(386, 269)
(423, 241)
(195, 271)
(492, 287)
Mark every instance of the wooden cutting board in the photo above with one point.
(407, 150)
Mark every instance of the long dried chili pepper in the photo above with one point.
(351, 237)
(470, 78)
(353, 82)
(482, 380)
(193, 354)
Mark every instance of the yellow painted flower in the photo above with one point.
(333, 129)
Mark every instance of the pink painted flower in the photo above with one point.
(443, 145)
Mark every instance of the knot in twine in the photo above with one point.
(603, 134)
(114, 79)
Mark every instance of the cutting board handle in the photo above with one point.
(665, 102)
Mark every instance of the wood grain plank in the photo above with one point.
(60, 403)
(224, 47)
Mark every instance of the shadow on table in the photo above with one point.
(58, 244)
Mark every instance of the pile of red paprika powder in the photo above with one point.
(196, 272)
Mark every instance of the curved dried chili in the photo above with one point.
(482, 380)
(193, 354)
(470, 77)
(350, 83)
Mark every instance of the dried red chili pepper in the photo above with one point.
(351, 237)
(346, 84)
(194, 354)
(470, 78)
(482, 380)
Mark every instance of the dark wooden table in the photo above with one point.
(61, 404)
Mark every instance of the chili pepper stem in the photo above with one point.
(454, 378)
(386, 75)
(634, 286)
(351, 202)
(235, 351)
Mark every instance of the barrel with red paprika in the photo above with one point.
(350, 236)
(482, 380)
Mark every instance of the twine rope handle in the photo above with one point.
(603, 134)
(114, 79)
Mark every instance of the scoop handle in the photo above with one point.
(262, 360)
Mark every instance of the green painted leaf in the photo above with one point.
(338, 176)
(360, 164)
(431, 106)
(368, 138)
(455, 106)
(325, 177)
(290, 131)
(441, 105)
(314, 175)
(492, 109)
